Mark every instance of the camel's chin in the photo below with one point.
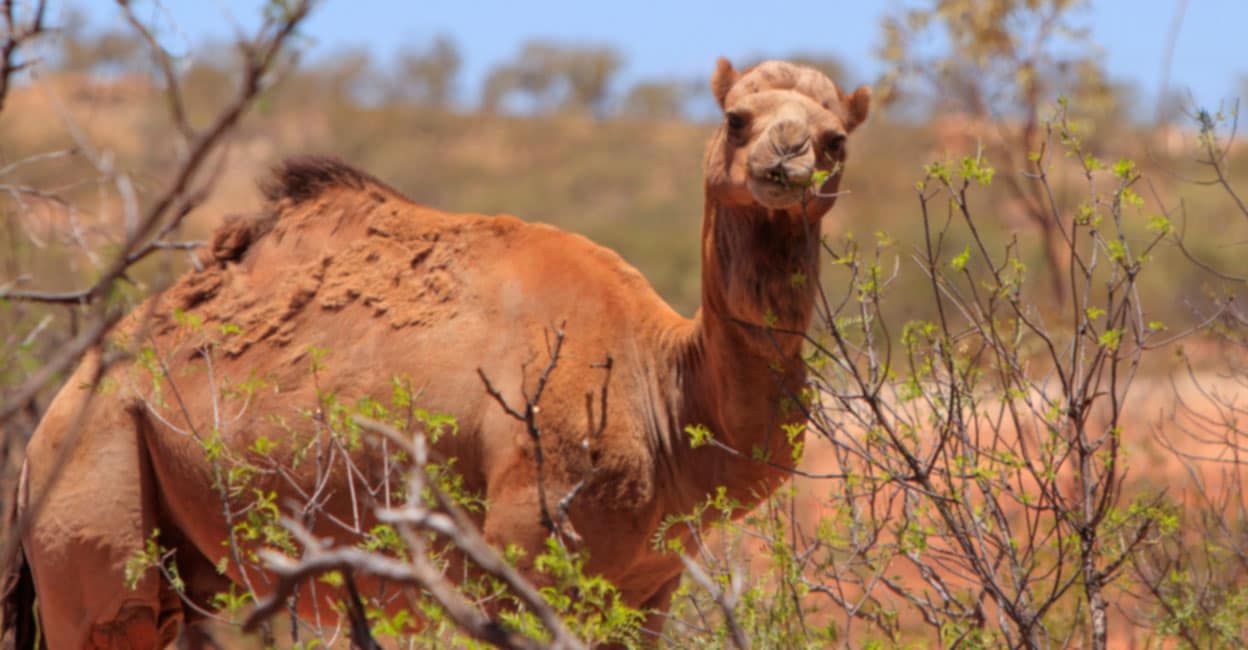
(776, 196)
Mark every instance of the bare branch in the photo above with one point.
(318, 560)
(452, 524)
(172, 90)
(560, 525)
(725, 599)
(15, 36)
(170, 207)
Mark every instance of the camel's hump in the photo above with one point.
(293, 182)
(304, 178)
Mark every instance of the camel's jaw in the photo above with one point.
(775, 192)
(790, 186)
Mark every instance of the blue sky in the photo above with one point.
(681, 38)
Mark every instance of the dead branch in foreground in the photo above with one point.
(448, 522)
(16, 35)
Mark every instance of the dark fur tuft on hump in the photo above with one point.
(304, 178)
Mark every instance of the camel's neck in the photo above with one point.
(739, 365)
(759, 272)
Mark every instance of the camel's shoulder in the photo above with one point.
(561, 266)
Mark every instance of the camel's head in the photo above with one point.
(783, 125)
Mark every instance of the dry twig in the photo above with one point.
(450, 523)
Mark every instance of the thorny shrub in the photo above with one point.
(973, 486)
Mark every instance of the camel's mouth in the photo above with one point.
(774, 191)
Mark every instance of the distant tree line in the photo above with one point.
(542, 77)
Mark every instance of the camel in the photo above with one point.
(341, 286)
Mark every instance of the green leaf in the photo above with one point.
(1117, 251)
(1124, 168)
(977, 169)
(332, 578)
(938, 171)
(263, 445)
(958, 263)
(318, 355)
(187, 320)
(1131, 197)
(698, 434)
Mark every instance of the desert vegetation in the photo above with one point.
(1022, 418)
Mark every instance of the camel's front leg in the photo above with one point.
(91, 505)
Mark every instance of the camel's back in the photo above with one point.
(344, 243)
(337, 255)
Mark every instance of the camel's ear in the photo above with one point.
(859, 105)
(722, 80)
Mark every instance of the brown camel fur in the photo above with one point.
(391, 290)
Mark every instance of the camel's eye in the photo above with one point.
(736, 120)
(833, 143)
